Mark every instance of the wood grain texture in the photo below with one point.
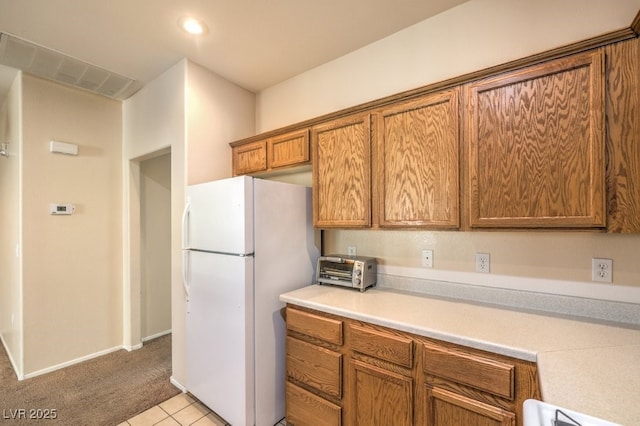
(417, 162)
(581, 46)
(306, 409)
(289, 149)
(315, 367)
(386, 346)
(315, 326)
(623, 136)
(495, 383)
(535, 143)
(448, 408)
(250, 158)
(482, 373)
(341, 154)
(380, 397)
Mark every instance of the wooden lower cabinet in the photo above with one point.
(306, 408)
(448, 408)
(346, 372)
(380, 397)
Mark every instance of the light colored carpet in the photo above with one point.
(103, 391)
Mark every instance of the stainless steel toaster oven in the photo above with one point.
(347, 271)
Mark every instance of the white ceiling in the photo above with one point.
(253, 43)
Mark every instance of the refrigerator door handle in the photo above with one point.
(186, 260)
(185, 252)
(185, 224)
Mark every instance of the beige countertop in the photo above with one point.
(584, 366)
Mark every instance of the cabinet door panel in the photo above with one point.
(536, 146)
(250, 158)
(342, 173)
(290, 149)
(418, 163)
(380, 397)
(444, 408)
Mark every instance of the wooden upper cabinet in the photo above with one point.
(341, 152)
(271, 154)
(249, 158)
(289, 149)
(417, 162)
(535, 143)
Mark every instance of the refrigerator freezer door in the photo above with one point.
(220, 216)
(219, 335)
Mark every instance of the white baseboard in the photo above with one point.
(130, 348)
(11, 360)
(155, 336)
(177, 384)
(72, 362)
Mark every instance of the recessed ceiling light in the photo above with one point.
(193, 25)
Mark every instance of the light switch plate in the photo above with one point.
(427, 258)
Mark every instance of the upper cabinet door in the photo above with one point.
(249, 158)
(417, 166)
(341, 152)
(290, 149)
(535, 142)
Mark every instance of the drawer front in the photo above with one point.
(314, 366)
(381, 345)
(305, 408)
(479, 372)
(315, 326)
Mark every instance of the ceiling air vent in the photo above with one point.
(52, 65)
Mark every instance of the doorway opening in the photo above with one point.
(147, 286)
(155, 247)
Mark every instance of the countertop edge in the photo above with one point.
(518, 353)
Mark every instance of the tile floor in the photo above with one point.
(181, 410)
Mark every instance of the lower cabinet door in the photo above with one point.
(380, 397)
(445, 408)
(307, 409)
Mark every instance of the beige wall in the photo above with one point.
(196, 114)
(154, 122)
(10, 225)
(155, 250)
(72, 265)
(470, 37)
(218, 113)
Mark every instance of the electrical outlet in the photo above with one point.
(351, 250)
(602, 270)
(427, 258)
(483, 262)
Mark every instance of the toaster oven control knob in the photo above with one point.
(357, 281)
(358, 272)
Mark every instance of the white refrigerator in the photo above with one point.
(245, 242)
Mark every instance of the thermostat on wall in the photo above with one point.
(61, 208)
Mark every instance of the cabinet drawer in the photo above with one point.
(314, 366)
(479, 372)
(315, 326)
(305, 408)
(385, 346)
